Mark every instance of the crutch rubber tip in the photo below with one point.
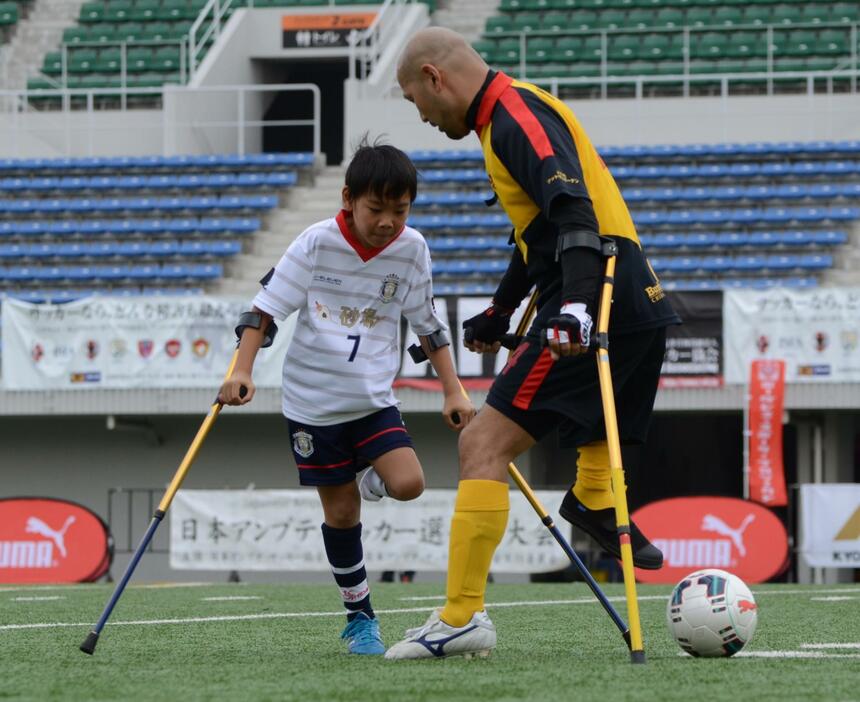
(89, 644)
(637, 657)
(626, 636)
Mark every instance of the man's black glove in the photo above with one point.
(489, 326)
(572, 325)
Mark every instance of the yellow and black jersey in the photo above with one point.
(535, 151)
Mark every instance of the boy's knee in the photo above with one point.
(405, 489)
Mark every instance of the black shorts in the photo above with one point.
(540, 395)
(333, 454)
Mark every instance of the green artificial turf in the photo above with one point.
(546, 651)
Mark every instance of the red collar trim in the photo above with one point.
(364, 253)
(491, 96)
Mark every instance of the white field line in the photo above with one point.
(230, 598)
(339, 613)
(37, 599)
(830, 645)
(833, 598)
(793, 654)
(85, 586)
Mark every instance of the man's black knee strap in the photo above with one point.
(583, 239)
(255, 321)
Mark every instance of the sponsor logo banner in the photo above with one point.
(816, 332)
(713, 532)
(830, 526)
(319, 31)
(694, 349)
(43, 540)
(280, 530)
(145, 342)
(766, 470)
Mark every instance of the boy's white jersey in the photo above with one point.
(345, 350)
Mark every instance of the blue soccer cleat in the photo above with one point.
(362, 636)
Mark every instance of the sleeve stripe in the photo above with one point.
(528, 121)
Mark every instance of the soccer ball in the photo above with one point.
(711, 613)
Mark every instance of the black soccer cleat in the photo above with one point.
(599, 524)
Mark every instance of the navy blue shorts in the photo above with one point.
(333, 454)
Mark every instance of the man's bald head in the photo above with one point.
(441, 74)
(438, 47)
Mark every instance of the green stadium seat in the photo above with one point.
(172, 10)
(623, 47)
(668, 68)
(138, 59)
(155, 31)
(9, 14)
(526, 22)
(539, 50)
(109, 60)
(52, 63)
(40, 83)
(178, 30)
(592, 49)
(103, 32)
(82, 60)
(555, 21)
(583, 19)
(800, 43)
(710, 44)
(486, 48)
(832, 42)
(92, 12)
(499, 23)
(74, 35)
(786, 14)
(568, 49)
(757, 14)
(130, 31)
(814, 14)
(654, 46)
(612, 19)
(699, 17)
(820, 63)
(669, 17)
(118, 11)
(747, 44)
(508, 50)
(640, 18)
(144, 11)
(845, 12)
(728, 16)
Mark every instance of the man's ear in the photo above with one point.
(430, 71)
(347, 198)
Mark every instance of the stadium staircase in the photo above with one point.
(39, 29)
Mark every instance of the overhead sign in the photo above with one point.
(280, 530)
(315, 31)
(816, 332)
(831, 525)
(43, 540)
(766, 469)
(741, 537)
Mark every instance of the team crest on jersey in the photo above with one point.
(389, 287)
(303, 443)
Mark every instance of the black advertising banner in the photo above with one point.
(320, 31)
(694, 349)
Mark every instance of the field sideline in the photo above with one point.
(281, 642)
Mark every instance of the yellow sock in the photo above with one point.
(593, 486)
(477, 527)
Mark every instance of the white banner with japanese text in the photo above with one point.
(280, 530)
(139, 342)
(816, 332)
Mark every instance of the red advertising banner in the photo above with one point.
(43, 540)
(713, 532)
(766, 471)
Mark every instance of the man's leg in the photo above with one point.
(593, 486)
(487, 445)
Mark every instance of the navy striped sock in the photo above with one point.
(346, 558)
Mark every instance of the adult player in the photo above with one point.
(560, 198)
(351, 278)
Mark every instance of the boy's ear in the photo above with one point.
(347, 198)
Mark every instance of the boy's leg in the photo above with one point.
(342, 538)
(399, 472)
(382, 440)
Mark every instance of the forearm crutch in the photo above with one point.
(619, 489)
(89, 644)
(510, 341)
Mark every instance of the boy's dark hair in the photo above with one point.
(381, 170)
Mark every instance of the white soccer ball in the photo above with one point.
(711, 613)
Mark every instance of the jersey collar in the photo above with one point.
(364, 253)
(481, 109)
